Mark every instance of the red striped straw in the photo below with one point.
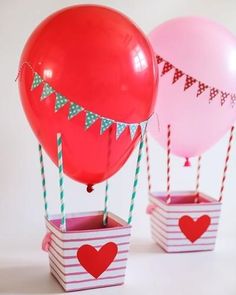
(198, 179)
(168, 164)
(148, 164)
(226, 163)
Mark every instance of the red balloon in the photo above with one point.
(99, 59)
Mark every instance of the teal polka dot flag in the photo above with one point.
(90, 117)
(74, 110)
(132, 129)
(36, 81)
(120, 127)
(60, 101)
(47, 90)
(106, 123)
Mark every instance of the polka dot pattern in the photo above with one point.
(120, 127)
(189, 82)
(132, 129)
(223, 98)
(233, 99)
(201, 88)
(47, 90)
(36, 81)
(159, 59)
(105, 124)
(60, 101)
(213, 93)
(91, 118)
(167, 67)
(74, 110)
(177, 75)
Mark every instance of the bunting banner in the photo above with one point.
(190, 81)
(90, 117)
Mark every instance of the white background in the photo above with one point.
(23, 266)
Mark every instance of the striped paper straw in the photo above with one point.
(60, 169)
(148, 164)
(43, 180)
(137, 170)
(198, 179)
(226, 163)
(105, 212)
(168, 164)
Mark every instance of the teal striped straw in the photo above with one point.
(60, 169)
(137, 170)
(43, 180)
(105, 211)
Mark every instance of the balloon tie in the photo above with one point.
(90, 188)
(187, 162)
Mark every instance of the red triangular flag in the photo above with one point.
(201, 88)
(224, 95)
(159, 59)
(167, 67)
(189, 82)
(177, 75)
(213, 93)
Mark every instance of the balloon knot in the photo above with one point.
(90, 188)
(187, 163)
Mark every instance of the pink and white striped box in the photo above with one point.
(87, 229)
(183, 225)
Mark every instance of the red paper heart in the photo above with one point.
(97, 261)
(193, 230)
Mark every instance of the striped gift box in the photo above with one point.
(184, 225)
(87, 229)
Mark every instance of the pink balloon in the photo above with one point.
(206, 51)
